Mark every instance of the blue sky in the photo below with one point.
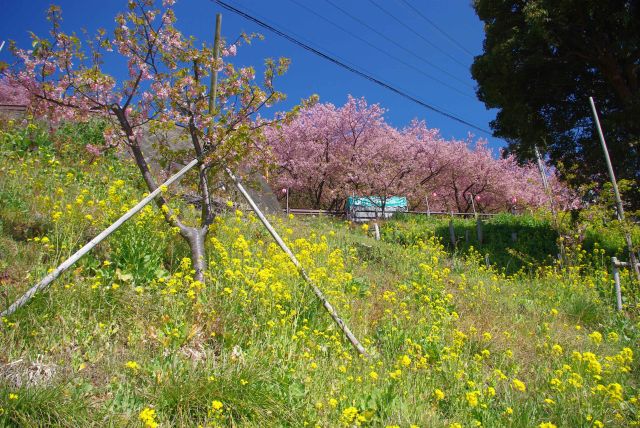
(411, 54)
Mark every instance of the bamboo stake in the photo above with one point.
(616, 192)
(91, 244)
(212, 99)
(343, 326)
(616, 279)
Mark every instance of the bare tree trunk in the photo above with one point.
(196, 238)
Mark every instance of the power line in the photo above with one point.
(429, 42)
(368, 43)
(433, 24)
(390, 40)
(352, 69)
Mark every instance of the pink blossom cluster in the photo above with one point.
(328, 153)
(12, 93)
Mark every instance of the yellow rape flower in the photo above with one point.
(472, 398)
(405, 360)
(596, 337)
(519, 385)
(148, 417)
(133, 366)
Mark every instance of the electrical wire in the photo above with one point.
(350, 68)
(390, 40)
(429, 42)
(434, 25)
(371, 45)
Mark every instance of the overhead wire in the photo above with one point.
(351, 68)
(382, 51)
(427, 41)
(434, 25)
(390, 40)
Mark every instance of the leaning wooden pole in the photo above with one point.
(545, 181)
(47, 280)
(212, 102)
(614, 183)
(343, 326)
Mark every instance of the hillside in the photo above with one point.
(127, 338)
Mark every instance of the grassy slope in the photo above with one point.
(128, 329)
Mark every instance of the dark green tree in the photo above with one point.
(542, 60)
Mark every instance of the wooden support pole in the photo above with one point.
(616, 279)
(452, 233)
(91, 244)
(343, 326)
(426, 198)
(545, 181)
(473, 205)
(616, 192)
(214, 74)
(479, 230)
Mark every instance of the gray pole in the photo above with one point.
(345, 329)
(214, 74)
(95, 241)
(212, 100)
(545, 181)
(473, 205)
(616, 279)
(614, 183)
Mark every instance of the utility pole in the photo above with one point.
(325, 302)
(616, 192)
(214, 74)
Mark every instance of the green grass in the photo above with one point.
(128, 333)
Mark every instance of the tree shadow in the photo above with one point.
(507, 243)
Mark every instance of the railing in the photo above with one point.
(616, 265)
(308, 211)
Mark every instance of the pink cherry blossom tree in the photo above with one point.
(165, 90)
(328, 153)
(317, 153)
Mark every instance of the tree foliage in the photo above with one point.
(542, 59)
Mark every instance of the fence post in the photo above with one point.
(452, 232)
(616, 192)
(426, 198)
(616, 279)
(377, 231)
(479, 230)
